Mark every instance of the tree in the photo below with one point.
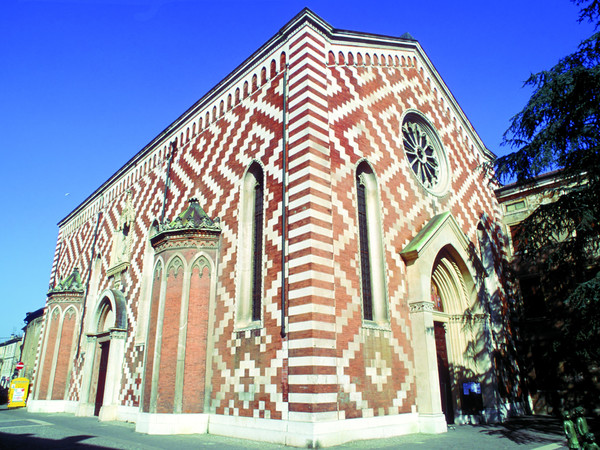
(559, 129)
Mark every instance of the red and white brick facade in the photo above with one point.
(177, 362)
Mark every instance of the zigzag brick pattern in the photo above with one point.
(311, 312)
(368, 97)
(246, 364)
(208, 165)
(345, 105)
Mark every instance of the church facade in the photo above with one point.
(310, 254)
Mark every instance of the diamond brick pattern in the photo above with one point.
(345, 104)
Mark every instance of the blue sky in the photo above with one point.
(85, 84)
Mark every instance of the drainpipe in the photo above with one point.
(168, 179)
(89, 277)
(283, 202)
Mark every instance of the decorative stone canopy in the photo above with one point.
(191, 222)
(71, 284)
(433, 228)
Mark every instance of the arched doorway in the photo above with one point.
(447, 326)
(104, 355)
(451, 284)
(101, 355)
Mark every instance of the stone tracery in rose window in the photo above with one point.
(421, 154)
(425, 154)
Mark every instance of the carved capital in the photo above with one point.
(419, 307)
(116, 333)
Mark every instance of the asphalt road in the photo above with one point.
(22, 430)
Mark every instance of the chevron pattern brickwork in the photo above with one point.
(346, 103)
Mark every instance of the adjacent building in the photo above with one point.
(31, 339)
(10, 353)
(549, 382)
(311, 254)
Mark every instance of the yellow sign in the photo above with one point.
(17, 392)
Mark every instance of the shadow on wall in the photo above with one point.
(492, 326)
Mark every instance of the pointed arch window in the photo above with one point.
(257, 248)
(372, 264)
(250, 248)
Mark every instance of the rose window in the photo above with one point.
(424, 154)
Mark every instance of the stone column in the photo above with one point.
(86, 408)
(429, 405)
(114, 370)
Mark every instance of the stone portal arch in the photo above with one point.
(105, 350)
(445, 318)
(453, 281)
(453, 297)
(110, 312)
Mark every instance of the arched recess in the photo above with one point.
(197, 338)
(371, 248)
(104, 355)
(166, 341)
(439, 263)
(179, 338)
(47, 362)
(63, 306)
(248, 310)
(202, 261)
(114, 301)
(453, 280)
(175, 265)
(452, 294)
(66, 349)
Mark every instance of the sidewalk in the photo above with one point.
(20, 429)
(529, 432)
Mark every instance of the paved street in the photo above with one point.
(23, 430)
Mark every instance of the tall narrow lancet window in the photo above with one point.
(365, 264)
(257, 248)
(250, 248)
(372, 264)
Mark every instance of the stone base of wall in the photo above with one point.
(266, 430)
(314, 434)
(85, 409)
(52, 406)
(128, 413)
(172, 423)
(283, 432)
(432, 424)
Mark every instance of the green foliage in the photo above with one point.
(559, 129)
(584, 321)
(591, 10)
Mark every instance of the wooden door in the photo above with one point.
(444, 372)
(103, 363)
